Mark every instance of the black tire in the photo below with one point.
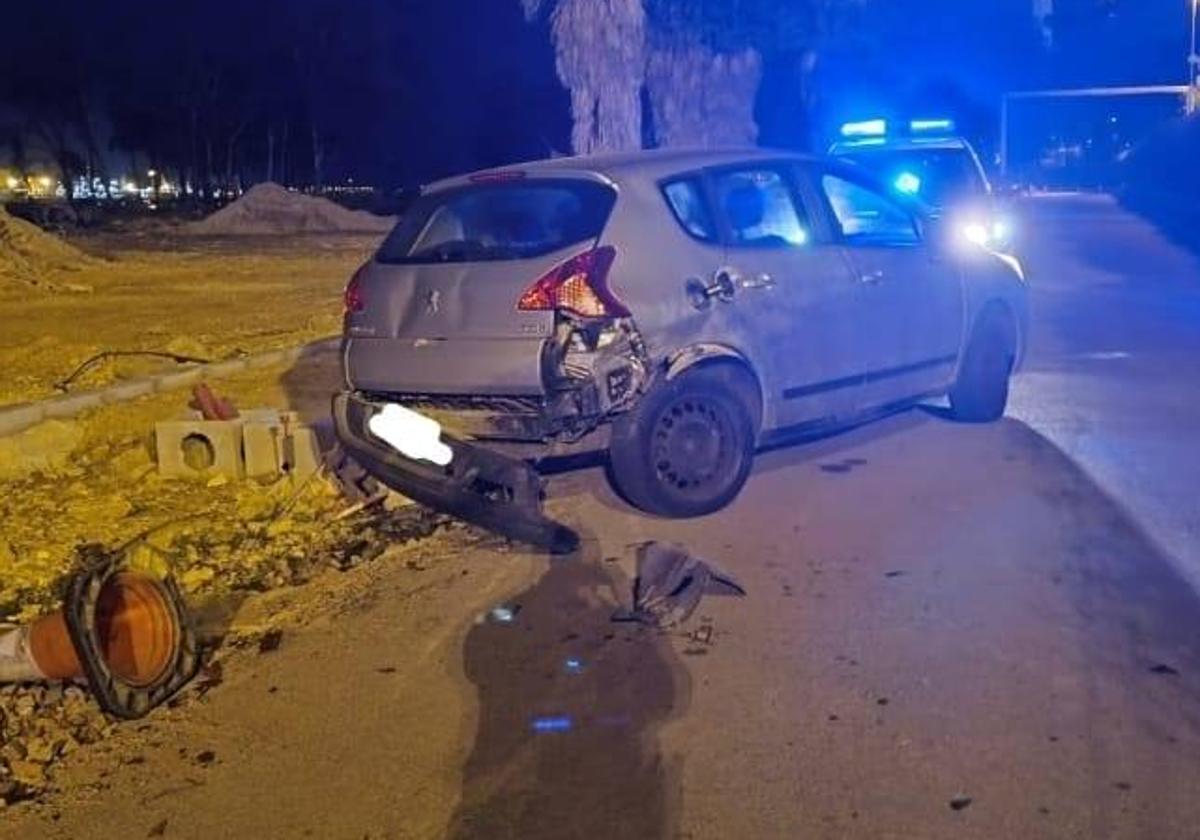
(980, 395)
(687, 448)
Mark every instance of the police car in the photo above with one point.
(924, 159)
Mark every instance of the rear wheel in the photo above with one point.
(980, 395)
(687, 448)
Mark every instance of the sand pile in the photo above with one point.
(272, 210)
(30, 255)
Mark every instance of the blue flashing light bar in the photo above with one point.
(931, 126)
(866, 128)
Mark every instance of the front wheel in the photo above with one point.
(980, 395)
(687, 448)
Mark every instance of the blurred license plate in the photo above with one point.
(411, 433)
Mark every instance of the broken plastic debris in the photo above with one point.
(670, 583)
(555, 723)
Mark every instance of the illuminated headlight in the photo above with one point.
(995, 234)
(975, 233)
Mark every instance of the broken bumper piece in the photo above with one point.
(479, 485)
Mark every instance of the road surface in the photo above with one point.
(949, 632)
(1115, 368)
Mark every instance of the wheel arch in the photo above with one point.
(708, 355)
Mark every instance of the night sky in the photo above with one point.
(402, 91)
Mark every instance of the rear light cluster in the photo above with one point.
(578, 286)
(353, 299)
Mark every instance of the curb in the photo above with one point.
(18, 418)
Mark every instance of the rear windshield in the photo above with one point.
(502, 221)
(935, 176)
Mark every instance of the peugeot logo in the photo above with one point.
(433, 302)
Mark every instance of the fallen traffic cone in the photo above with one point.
(124, 632)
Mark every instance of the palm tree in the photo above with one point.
(600, 49)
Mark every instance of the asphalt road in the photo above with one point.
(949, 632)
(1115, 368)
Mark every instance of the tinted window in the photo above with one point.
(686, 199)
(867, 217)
(759, 208)
(490, 222)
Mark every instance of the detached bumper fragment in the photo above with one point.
(479, 485)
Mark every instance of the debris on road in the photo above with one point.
(270, 641)
(670, 583)
(271, 209)
(960, 802)
(1164, 670)
(39, 725)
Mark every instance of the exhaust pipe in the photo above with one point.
(126, 634)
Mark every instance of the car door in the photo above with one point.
(793, 291)
(910, 310)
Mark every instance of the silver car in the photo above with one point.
(674, 309)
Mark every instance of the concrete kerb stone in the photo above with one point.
(18, 418)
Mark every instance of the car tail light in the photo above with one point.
(579, 286)
(353, 298)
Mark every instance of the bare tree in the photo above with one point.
(699, 97)
(600, 50)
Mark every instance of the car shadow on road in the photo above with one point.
(309, 385)
(570, 704)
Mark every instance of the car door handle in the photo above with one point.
(762, 281)
(723, 287)
(871, 278)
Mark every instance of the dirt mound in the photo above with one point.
(30, 255)
(271, 209)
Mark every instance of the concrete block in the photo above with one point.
(199, 448)
(13, 420)
(219, 369)
(261, 447)
(128, 391)
(72, 405)
(267, 359)
(283, 445)
(305, 453)
(171, 381)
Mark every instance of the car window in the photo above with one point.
(687, 202)
(499, 221)
(760, 210)
(867, 217)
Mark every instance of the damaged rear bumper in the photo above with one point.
(480, 485)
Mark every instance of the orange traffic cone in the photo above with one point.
(136, 633)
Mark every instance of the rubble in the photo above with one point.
(270, 209)
(38, 726)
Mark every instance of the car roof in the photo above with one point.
(616, 167)
(900, 144)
